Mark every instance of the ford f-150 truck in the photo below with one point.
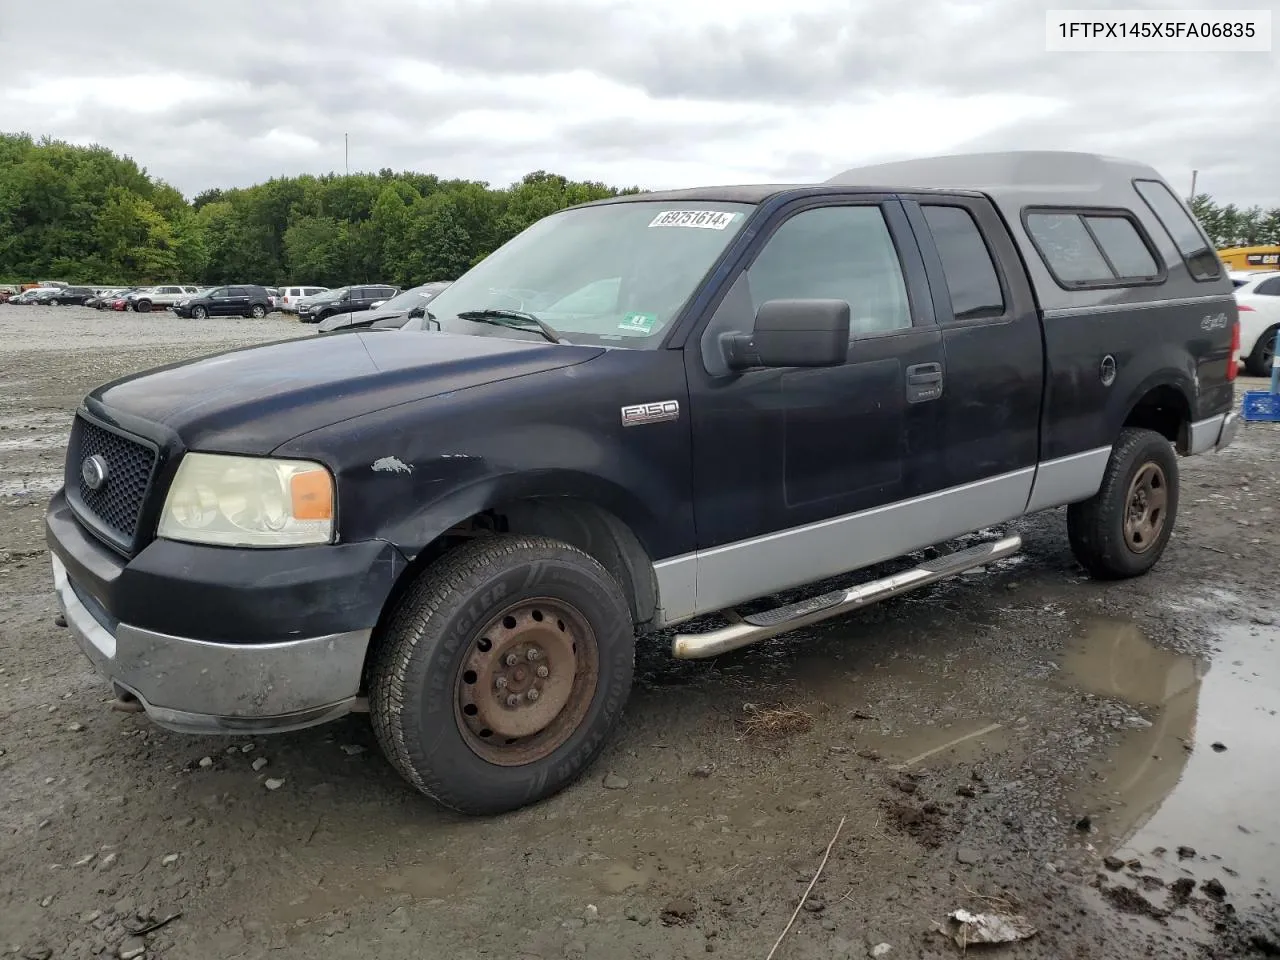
(638, 412)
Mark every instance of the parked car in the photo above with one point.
(71, 296)
(391, 314)
(7, 291)
(1259, 300)
(344, 300)
(33, 295)
(96, 301)
(643, 412)
(162, 297)
(242, 300)
(116, 300)
(273, 293)
(290, 297)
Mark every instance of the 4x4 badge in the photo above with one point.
(637, 413)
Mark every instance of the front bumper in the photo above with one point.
(193, 686)
(221, 640)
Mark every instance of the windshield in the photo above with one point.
(331, 294)
(615, 274)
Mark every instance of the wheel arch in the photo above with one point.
(580, 521)
(1165, 407)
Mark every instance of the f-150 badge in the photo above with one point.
(638, 413)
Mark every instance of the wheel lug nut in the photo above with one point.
(513, 700)
(532, 694)
(534, 653)
(500, 683)
(542, 672)
(511, 659)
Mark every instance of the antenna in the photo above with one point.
(1193, 183)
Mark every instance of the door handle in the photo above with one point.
(924, 382)
(923, 374)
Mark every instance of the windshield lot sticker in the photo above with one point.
(705, 219)
(638, 322)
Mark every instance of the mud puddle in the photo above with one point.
(1189, 792)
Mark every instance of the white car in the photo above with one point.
(1259, 300)
(290, 296)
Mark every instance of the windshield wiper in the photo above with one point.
(522, 321)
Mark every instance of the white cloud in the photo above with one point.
(656, 93)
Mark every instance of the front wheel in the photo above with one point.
(502, 672)
(199, 313)
(1123, 529)
(144, 306)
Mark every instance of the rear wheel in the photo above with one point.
(1123, 530)
(502, 673)
(258, 311)
(1258, 363)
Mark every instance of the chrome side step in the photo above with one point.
(761, 626)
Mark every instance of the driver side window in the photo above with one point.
(836, 253)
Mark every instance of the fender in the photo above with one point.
(418, 528)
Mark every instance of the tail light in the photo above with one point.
(1233, 365)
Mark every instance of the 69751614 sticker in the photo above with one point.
(703, 219)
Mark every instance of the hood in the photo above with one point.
(254, 399)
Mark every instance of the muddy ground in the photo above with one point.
(987, 745)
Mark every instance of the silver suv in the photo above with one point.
(163, 297)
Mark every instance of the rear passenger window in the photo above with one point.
(966, 262)
(836, 253)
(1092, 249)
(1201, 259)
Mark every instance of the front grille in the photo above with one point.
(117, 504)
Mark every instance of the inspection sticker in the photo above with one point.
(706, 219)
(638, 322)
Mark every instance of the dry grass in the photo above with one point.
(774, 723)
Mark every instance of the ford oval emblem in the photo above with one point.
(94, 471)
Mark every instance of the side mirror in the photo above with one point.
(793, 333)
(419, 311)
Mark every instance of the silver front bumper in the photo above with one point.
(195, 686)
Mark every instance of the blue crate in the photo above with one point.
(1261, 405)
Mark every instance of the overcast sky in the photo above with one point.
(657, 93)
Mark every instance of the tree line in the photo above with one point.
(1231, 226)
(87, 215)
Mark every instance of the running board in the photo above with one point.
(761, 626)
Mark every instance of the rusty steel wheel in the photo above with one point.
(526, 681)
(1145, 512)
(1123, 529)
(502, 671)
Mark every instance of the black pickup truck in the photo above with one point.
(638, 412)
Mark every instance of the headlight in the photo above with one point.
(248, 502)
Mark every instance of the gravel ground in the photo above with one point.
(1019, 739)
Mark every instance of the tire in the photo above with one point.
(258, 311)
(143, 306)
(1103, 540)
(435, 677)
(1258, 363)
(199, 313)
